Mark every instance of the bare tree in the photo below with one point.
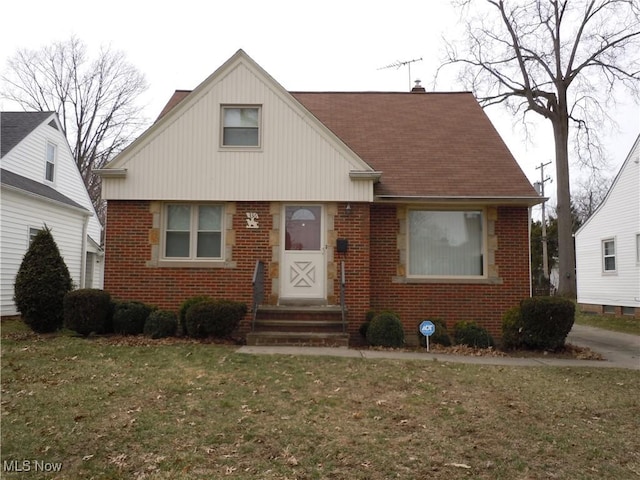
(588, 194)
(561, 59)
(94, 98)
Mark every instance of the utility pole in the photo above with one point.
(539, 186)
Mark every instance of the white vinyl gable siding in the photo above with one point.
(19, 216)
(617, 220)
(181, 157)
(28, 159)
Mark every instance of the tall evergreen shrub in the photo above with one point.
(41, 284)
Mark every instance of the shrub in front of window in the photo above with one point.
(546, 321)
(87, 311)
(472, 335)
(129, 317)
(184, 308)
(161, 324)
(42, 281)
(214, 318)
(440, 335)
(385, 330)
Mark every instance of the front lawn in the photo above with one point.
(625, 324)
(117, 407)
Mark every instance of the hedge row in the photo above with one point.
(92, 311)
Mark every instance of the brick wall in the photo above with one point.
(452, 302)
(371, 265)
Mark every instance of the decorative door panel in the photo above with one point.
(302, 273)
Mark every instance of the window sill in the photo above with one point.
(191, 264)
(453, 281)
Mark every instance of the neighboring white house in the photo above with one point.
(608, 246)
(41, 185)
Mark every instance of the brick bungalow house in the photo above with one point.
(319, 207)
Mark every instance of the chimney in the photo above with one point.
(418, 88)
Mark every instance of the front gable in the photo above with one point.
(181, 157)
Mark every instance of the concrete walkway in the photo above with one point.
(620, 350)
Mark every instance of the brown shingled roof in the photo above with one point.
(425, 144)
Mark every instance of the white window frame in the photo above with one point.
(193, 233)
(50, 161)
(31, 234)
(223, 126)
(484, 240)
(606, 256)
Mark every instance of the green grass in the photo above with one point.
(609, 322)
(136, 408)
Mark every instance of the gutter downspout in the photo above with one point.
(83, 257)
(529, 250)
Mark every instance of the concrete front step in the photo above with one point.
(292, 325)
(314, 339)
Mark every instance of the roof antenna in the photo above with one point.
(397, 64)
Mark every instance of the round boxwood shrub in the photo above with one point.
(385, 330)
(440, 335)
(87, 310)
(41, 283)
(161, 324)
(129, 317)
(472, 335)
(214, 318)
(512, 329)
(184, 308)
(546, 322)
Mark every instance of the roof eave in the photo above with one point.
(365, 175)
(43, 198)
(111, 172)
(459, 200)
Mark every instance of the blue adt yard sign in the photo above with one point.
(427, 328)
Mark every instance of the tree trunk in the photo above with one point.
(566, 249)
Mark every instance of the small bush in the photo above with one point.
(385, 330)
(512, 329)
(42, 281)
(215, 318)
(472, 335)
(440, 335)
(546, 321)
(87, 311)
(184, 308)
(161, 324)
(129, 317)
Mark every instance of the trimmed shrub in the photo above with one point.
(88, 310)
(161, 324)
(385, 330)
(512, 329)
(42, 281)
(472, 335)
(546, 321)
(440, 335)
(184, 308)
(214, 318)
(129, 317)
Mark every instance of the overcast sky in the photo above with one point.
(305, 46)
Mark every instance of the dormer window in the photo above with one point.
(240, 126)
(50, 165)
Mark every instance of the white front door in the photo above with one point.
(302, 274)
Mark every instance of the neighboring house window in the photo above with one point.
(32, 234)
(446, 243)
(240, 127)
(50, 163)
(193, 232)
(609, 255)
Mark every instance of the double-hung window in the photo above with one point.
(50, 163)
(240, 126)
(443, 243)
(193, 232)
(609, 255)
